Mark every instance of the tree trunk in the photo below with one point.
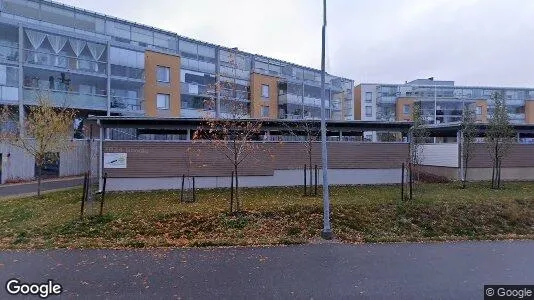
(499, 174)
(39, 173)
(238, 206)
(465, 172)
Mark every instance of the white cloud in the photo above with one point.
(479, 42)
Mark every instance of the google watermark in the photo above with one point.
(508, 292)
(43, 290)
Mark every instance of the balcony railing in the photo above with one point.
(64, 62)
(9, 94)
(197, 89)
(68, 99)
(127, 104)
(9, 52)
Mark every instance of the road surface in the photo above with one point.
(10, 190)
(318, 271)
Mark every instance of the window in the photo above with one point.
(368, 111)
(264, 91)
(368, 97)
(163, 101)
(406, 109)
(479, 110)
(163, 74)
(265, 111)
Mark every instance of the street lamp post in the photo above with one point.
(327, 230)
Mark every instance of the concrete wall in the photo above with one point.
(479, 174)
(443, 155)
(280, 178)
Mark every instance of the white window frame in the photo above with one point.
(370, 98)
(167, 101)
(406, 109)
(168, 79)
(368, 111)
(478, 110)
(262, 111)
(265, 89)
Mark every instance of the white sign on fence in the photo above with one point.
(115, 160)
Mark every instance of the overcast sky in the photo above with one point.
(473, 42)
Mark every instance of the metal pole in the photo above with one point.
(103, 194)
(327, 231)
(402, 183)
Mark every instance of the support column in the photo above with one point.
(188, 138)
(217, 84)
(21, 83)
(108, 79)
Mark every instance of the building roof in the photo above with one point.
(268, 124)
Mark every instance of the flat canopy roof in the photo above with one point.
(190, 123)
(450, 129)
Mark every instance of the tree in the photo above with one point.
(500, 135)
(231, 134)
(310, 130)
(468, 135)
(47, 131)
(418, 136)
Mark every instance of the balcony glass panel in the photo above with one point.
(64, 62)
(66, 99)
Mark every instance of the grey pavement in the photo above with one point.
(30, 188)
(319, 271)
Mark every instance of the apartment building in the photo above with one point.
(102, 65)
(441, 101)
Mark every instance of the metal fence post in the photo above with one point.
(305, 181)
(402, 183)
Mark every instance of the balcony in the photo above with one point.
(9, 95)
(9, 52)
(126, 105)
(66, 99)
(65, 62)
(197, 89)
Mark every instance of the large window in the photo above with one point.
(265, 111)
(368, 97)
(163, 101)
(406, 109)
(479, 110)
(264, 91)
(163, 74)
(368, 111)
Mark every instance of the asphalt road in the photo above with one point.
(321, 271)
(31, 188)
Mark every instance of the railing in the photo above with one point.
(64, 62)
(9, 52)
(197, 89)
(66, 99)
(125, 103)
(9, 94)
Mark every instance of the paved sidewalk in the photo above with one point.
(30, 188)
(315, 271)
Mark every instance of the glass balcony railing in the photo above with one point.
(125, 103)
(9, 94)
(64, 62)
(66, 99)
(9, 52)
(197, 89)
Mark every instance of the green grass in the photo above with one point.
(271, 216)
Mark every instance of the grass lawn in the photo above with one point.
(272, 216)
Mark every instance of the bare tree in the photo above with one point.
(418, 136)
(499, 137)
(47, 131)
(468, 136)
(232, 133)
(310, 130)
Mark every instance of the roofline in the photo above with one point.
(97, 14)
(452, 86)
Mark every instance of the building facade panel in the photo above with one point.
(156, 87)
